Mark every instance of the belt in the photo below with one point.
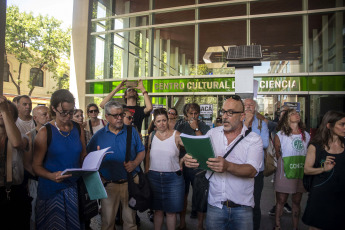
(121, 181)
(230, 204)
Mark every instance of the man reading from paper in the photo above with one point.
(230, 198)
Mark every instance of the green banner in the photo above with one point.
(265, 84)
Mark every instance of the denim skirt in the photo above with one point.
(168, 190)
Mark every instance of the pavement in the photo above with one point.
(267, 221)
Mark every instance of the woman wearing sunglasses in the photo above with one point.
(94, 123)
(57, 197)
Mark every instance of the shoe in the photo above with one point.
(150, 215)
(272, 212)
(287, 208)
(193, 215)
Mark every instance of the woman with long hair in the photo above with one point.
(57, 197)
(326, 162)
(165, 173)
(94, 123)
(290, 145)
(78, 116)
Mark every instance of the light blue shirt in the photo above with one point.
(264, 134)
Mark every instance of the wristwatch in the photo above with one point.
(196, 129)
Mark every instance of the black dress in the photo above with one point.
(326, 202)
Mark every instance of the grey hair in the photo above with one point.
(112, 104)
(256, 105)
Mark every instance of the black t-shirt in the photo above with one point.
(138, 115)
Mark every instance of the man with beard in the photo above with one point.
(230, 198)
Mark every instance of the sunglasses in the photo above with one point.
(117, 116)
(172, 113)
(235, 97)
(129, 117)
(65, 113)
(93, 111)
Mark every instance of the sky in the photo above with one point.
(59, 9)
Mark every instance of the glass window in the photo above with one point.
(326, 42)
(281, 43)
(37, 77)
(160, 4)
(174, 51)
(222, 11)
(177, 16)
(264, 7)
(322, 4)
(215, 38)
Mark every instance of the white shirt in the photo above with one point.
(164, 155)
(225, 186)
(25, 126)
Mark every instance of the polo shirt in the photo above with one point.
(112, 167)
(226, 186)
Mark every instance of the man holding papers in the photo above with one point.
(230, 198)
(113, 169)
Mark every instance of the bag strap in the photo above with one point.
(238, 141)
(49, 131)
(129, 142)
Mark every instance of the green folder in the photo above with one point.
(94, 186)
(199, 147)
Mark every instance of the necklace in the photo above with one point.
(61, 131)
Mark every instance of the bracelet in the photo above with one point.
(145, 92)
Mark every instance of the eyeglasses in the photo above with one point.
(229, 113)
(172, 113)
(117, 116)
(129, 117)
(65, 113)
(94, 111)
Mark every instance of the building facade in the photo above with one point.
(179, 48)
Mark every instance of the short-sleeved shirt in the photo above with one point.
(112, 167)
(138, 115)
(25, 126)
(226, 186)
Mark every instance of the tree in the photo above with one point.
(38, 41)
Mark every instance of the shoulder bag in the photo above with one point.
(139, 195)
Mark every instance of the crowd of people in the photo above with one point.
(38, 144)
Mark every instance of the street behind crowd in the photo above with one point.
(267, 221)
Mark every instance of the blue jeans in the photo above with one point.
(239, 218)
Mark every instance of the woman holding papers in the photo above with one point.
(56, 148)
(290, 145)
(165, 173)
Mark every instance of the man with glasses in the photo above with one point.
(131, 99)
(113, 169)
(191, 125)
(230, 198)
